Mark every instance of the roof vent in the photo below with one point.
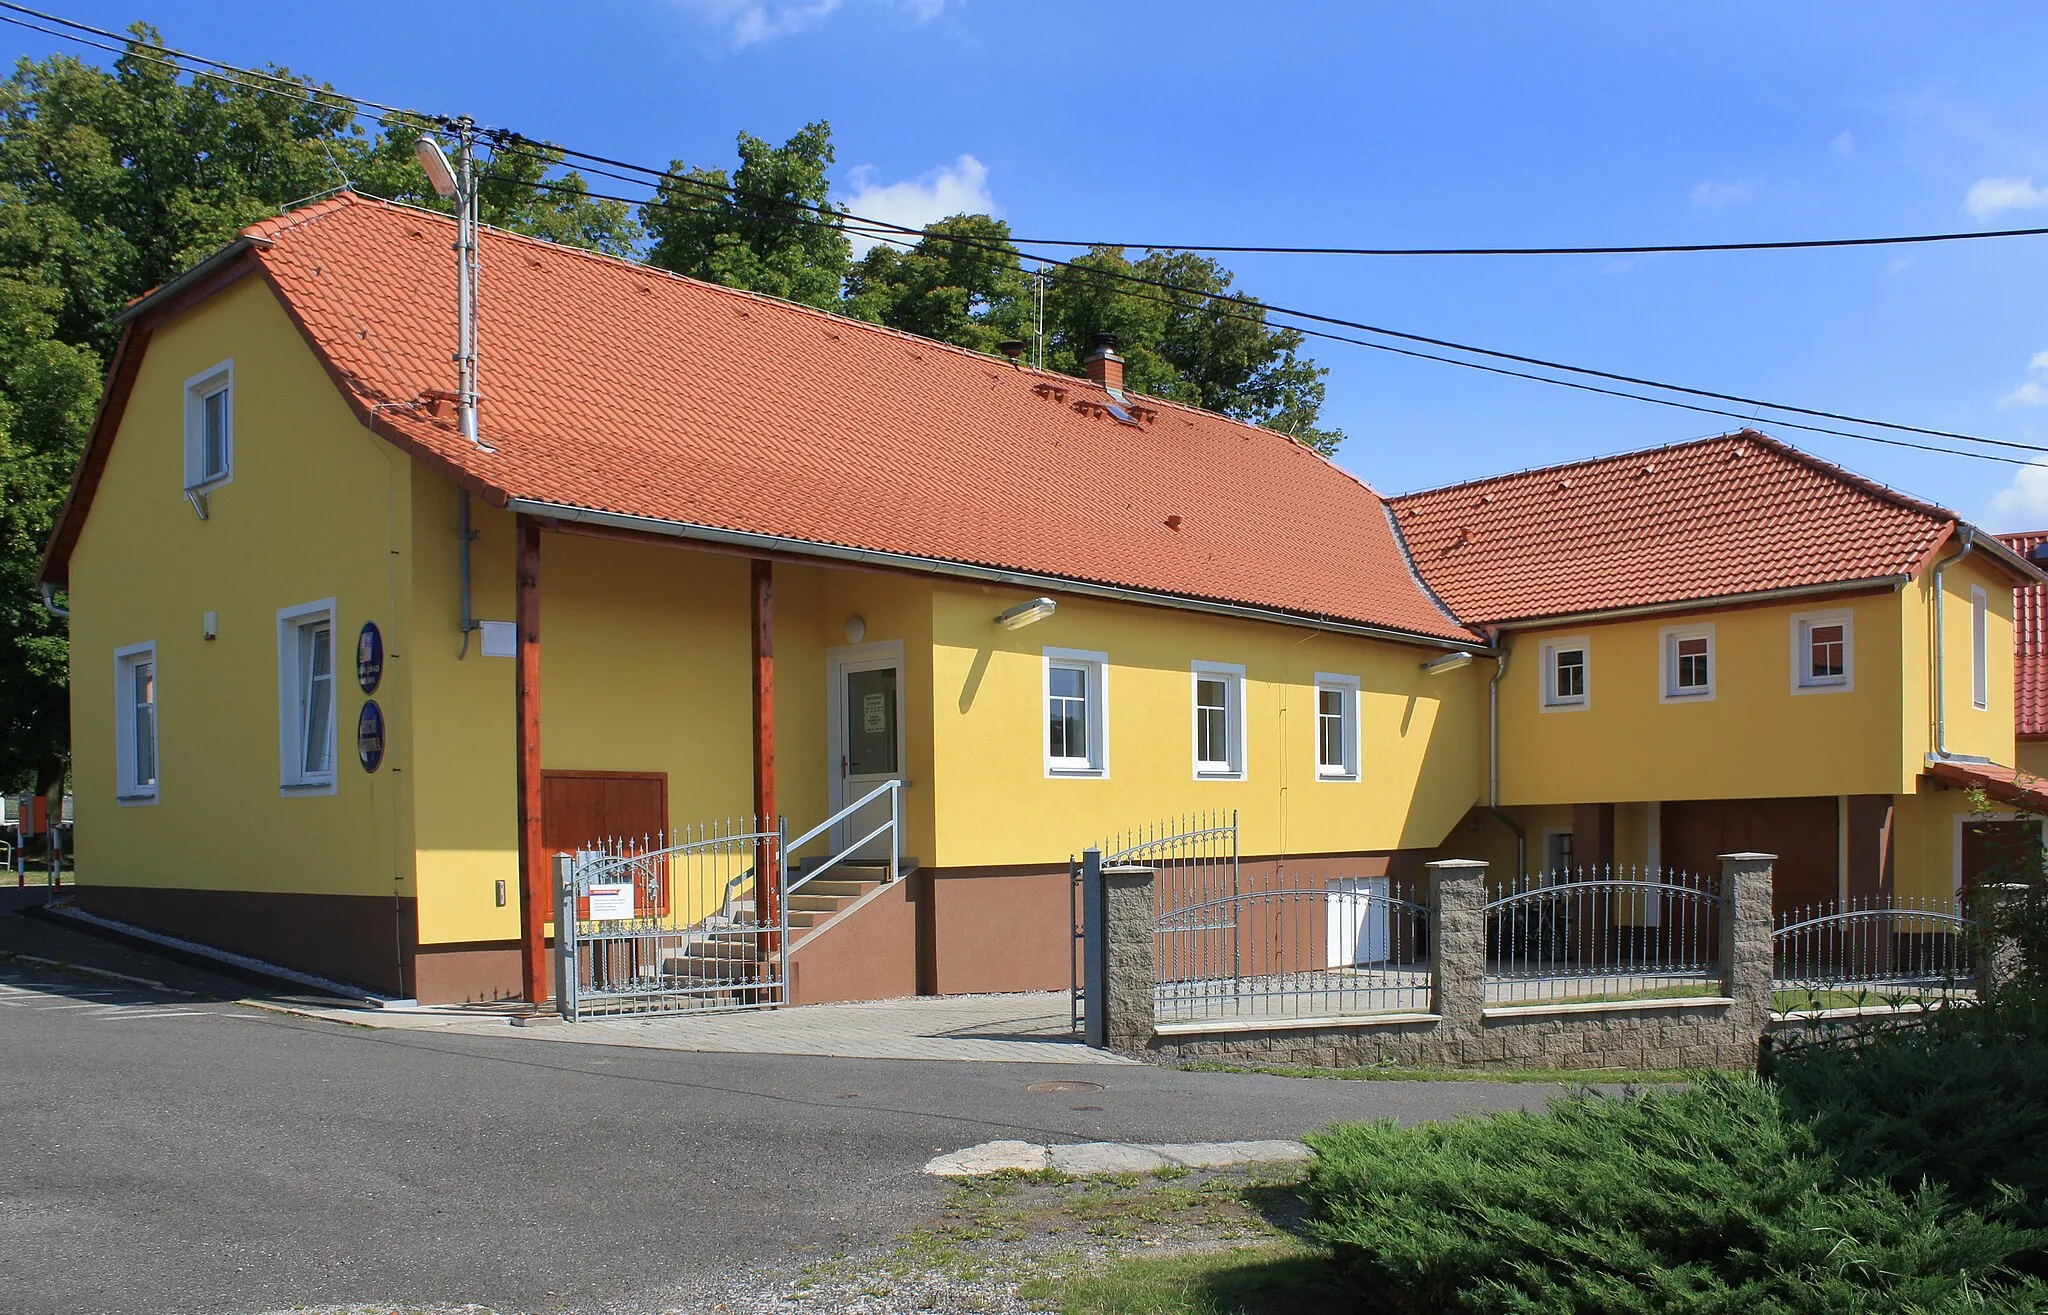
(1012, 348)
(1173, 522)
(2040, 553)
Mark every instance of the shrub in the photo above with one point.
(1960, 1100)
(1705, 1200)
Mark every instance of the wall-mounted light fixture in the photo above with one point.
(856, 628)
(1023, 614)
(1448, 662)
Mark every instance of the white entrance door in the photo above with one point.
(1360, 922)
(867, 738)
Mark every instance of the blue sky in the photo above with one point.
(1370, 124)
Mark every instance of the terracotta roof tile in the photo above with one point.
(1741, 513)
(2030, 639)
(613, 386)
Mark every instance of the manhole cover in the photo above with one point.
(1064, 1086)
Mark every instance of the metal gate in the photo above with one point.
(1194, 862)
(671, 922)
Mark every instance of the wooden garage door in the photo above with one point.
(1997, 847)
(1803, 833)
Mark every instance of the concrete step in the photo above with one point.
(805, 901)
(851, 887)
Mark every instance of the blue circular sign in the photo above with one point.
(370, 736)
(369, 657)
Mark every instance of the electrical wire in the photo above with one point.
(901, 235)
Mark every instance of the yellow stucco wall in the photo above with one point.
(1755, 738)
(997, 805)
(1980, 732)
(317, 508)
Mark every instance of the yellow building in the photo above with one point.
(709, 556)
(1729, 645)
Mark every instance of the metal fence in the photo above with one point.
(669, 922)
(1838, 955)
(1604, 933)
(1194, 862)
(1333, 947)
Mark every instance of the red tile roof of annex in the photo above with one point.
(614, 386)
(2030, 641)
(1712, 518)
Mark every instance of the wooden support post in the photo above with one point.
(767, 856)
(536, 900)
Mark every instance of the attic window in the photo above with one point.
(210, 428)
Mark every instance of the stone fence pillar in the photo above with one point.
(1457, 891)
(1992, 908)
(1130, 927)
(1747, 952)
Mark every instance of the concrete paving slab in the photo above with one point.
(1086, 1159)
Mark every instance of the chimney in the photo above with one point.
(1104, 366)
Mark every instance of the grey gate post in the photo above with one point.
(1094, 954)
(1457, 951)
(1747, 941)
(565, 936)
(1130, 933)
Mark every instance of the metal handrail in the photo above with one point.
(892, 788)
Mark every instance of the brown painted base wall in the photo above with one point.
(1686, 1036)
(869, 952)
(462, 974)
(358, 940)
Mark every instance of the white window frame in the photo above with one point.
(1353, 743)
(1980, 648)
(1668, 639)
(1546, 678)
(220, 378)
(128, 790)
(1095, 766)
(293, 778)
(1803, 679)
(1231, 766)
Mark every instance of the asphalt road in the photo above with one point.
(167, 1153)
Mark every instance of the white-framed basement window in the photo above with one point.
(1686, 667)
(1567, 673)
(1077, 713)
(1337, 735)
(306, 698)
(1218, 689)
(135, 758)
(1980, 648)
(1823, 651)
(210, 427)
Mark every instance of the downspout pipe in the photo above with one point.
(1500, 669)
(50, 602)
(1969, 537)
(464, 536)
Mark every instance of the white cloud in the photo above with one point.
(2040, 361)
(1843, 144)
(2023, 504)
(958, 188)
(1719, 194)
(1988, 196)
(750, 22)
(2027, 394)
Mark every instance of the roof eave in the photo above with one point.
(1702, 604)
(810, 548)
(200, 272)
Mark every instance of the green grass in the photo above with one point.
(1692, 991)
(1283, 1279)
(1639, 1077)
(1806, 1002)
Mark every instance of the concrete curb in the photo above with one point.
(1088, 1158)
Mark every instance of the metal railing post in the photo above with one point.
(1094, 953)
(565, 936)
(895, 828)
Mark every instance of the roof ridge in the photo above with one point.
(1579, 464)
(344, 199)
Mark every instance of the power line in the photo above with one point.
(881, 229)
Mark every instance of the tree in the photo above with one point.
(961, 283)
(752, 230)
(112, 181)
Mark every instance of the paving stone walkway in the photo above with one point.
(1024, 1028)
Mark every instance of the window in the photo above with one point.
(1076, 701)
(1566, 670)
(1688, 662)
(210, 427)
(1980, 649)
(1336, 727)
(1219, 721)
(306, 697)
(1823, 651)
(135, 723)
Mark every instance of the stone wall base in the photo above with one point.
(1721, 1034)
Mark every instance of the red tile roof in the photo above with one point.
(612, 386)
(2008, 785)
(1738, 514)
(2030, 638)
